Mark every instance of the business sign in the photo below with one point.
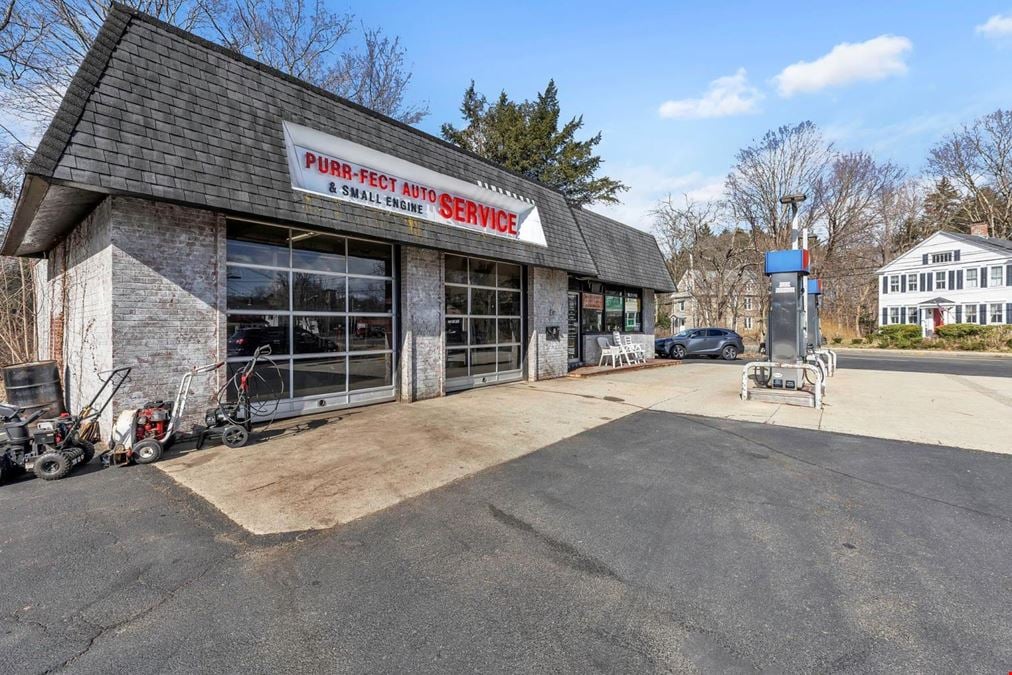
(340, 169)
(593, 301)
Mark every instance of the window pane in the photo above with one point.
(509, 276)
(256, 289)
(456, 363)
(613, 312)
(482, 272)
(366, 257)
(318, 292)
(456, 269)
(483, 360)
(256, 244)
(318, 377)
(370, 370)
(483, 331)
(509, 330)
(632, 311)
(456, 331)
(509, 358)
(456, 300)
(509, 303)
(482, 302)
(246, 332)
(314, 251)
(590, 320)
(316, 334)
(268, 381)
(370, 295)
(371, 333)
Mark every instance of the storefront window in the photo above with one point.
(323, 303)
(483, 317)
(633, 315)
(614, 311)
(592, 312)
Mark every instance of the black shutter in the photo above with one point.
(983, 277)
(959, 280)
(924, 281)
(924, 259)
(931, 281)
(955, 255)
(1008, 312)
(982, 314)
(1008, 278)
(952, 279)
(959, 314)
(903, 283)
(885, 284)
(885, 316)
(903, 314)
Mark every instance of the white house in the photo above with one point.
(948, 278)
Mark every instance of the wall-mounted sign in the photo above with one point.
(613, 303)
(347, 171)
(593, 301)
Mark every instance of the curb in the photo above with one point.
(941, 353)
(625, 369)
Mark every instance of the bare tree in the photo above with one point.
(787, 160)
(978, 159)
(710, 260)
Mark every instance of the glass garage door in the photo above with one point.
(484, 326)
(325, 305)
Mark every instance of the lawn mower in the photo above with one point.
(142, 435)
(58, 444)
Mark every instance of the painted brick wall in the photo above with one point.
(167, 298)
(547, 299)
(422, 370)
(75, 312)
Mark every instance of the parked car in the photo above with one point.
(712, 342)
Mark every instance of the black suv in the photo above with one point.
(712, 342)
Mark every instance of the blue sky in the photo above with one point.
(901, 76)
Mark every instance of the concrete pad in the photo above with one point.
(323, 472)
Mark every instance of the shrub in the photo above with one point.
(837, 340)
(900, 331)
(857, 341)
(961, 330)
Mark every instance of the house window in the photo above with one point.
(894, 284)
(995, 277)
(940, 281)
(681, 305)
(894, 315)
(995, 314)
(911, 282)
(971, 278)
(748, 302)
(748, 323)
(969, 313)
(941, 257)
(912, 315)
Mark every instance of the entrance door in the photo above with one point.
(573, 330)
(939, 317)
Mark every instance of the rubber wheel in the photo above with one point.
(677, 352)
(234, 436)
(52, 466)
(147, 451)
(89, 452)
(729, 353)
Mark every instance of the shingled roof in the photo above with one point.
(623, 254)
(160, 113)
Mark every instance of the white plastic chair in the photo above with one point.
(609, 351)
(635, 348)
(628, 353)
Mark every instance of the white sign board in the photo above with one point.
(340, 169)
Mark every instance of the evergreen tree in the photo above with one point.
(944, 209)
(525, 137)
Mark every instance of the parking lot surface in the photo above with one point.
(654, 543)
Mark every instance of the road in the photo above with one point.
(962, 364)
(657, 542)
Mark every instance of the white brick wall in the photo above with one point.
(547, 301)
(422, 370)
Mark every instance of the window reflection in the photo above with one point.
(371, 333)
(369, 295)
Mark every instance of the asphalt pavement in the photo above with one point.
(958, 364)
(655, 543)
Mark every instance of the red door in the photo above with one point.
(938, 317)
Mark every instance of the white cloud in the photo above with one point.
(875, 59)
(998, 26)
(726, 96)
(648, 185)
